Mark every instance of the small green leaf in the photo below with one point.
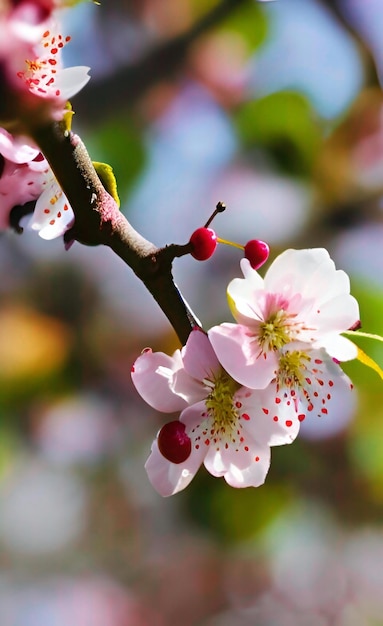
(108, 179)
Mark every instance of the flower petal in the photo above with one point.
(238, 352)
(271, 418)
(169, 478)
(53, 215)
(340, 348)
(293, 271)
(16, 149)
(244, 467)
(322, 377)
(335, 315)
(152, 375)
(242, 293)
(71, 80)
(188, 388)
(254, 475)
(198, 356)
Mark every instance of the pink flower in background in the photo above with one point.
(302, 298)
(22, 172)
(25, 176)
(30, 51)
(17, 149)
(229, 428)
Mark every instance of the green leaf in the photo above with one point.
(282, 123)
(250, 23)
(108, 179)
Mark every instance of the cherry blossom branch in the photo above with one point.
(98, 221)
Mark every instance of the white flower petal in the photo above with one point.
(336, 315)
(322, 376)
(293, 270)
(340, 348)
(152, 375)
(16, 149)
(188, 388)
(254, 475)
(71, 80)
(241, 469)
(227, 454)
(240, 355)
(252, 277)
(53, 215)
(169, 478)
(198, 356)
(272, 419)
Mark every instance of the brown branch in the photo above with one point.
(99, 221)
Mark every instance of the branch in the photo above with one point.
(99, 221)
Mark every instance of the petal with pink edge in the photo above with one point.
(238, 352)
(198, 356)
(188, 388)
(170, 478)
(152, 374)
(16, 149)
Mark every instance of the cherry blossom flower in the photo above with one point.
(16, 149)
(302, 298)
(22, 172)
(230, 427)
(30, 51)
(26, 176)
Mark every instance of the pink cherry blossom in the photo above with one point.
(302, 298)
(30, 52)
(26, 176)
(17, 149)
(22, 172)
(231, 427)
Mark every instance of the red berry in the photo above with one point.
(257, 252)
(173, 443)
(204, 242)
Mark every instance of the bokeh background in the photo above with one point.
(276, 109)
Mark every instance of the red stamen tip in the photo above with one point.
(204, 242)
(257, 252)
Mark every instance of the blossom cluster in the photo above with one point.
(34, 78)
(246, 386)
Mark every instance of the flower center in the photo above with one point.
(275, 332)
(220, 405)
(292, 369)
(41, 73)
